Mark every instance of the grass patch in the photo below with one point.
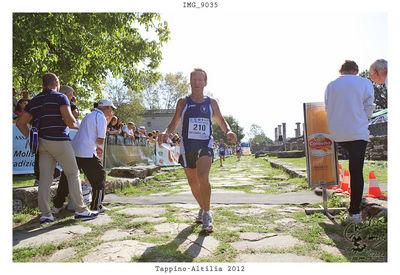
(28, 180)
(330, 258)
(28, 253)
(378, 167)
(146, 188)
(244, 188)
(23, 180)
(26, 215)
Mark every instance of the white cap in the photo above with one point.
(106, 103)
(142, 127)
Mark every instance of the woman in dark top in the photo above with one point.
(119, 124)
(111, 128)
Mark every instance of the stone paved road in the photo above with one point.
(252, 224)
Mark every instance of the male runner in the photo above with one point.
(221, 151)
(197, 112)
(238, 151)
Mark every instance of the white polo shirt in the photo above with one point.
(349, 102)
(126, 129)
(93, 126)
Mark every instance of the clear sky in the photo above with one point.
(263, 65)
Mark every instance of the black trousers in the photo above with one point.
(356, 150)
(96, 174)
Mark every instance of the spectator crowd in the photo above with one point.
(121, 133)
(118, 132)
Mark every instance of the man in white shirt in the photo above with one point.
(92, 131)
(349, 102)
(129, 130)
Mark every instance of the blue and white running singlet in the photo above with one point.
(196, 126)
(222, 148)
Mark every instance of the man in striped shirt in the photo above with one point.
(53, 110)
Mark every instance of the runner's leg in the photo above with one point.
(203, 165)
(194, 184)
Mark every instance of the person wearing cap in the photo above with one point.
(53, 110)
(91, 132)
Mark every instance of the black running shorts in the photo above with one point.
(188, 159)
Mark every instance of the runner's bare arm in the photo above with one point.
(174, 122)
(222, 122)
(22, 123)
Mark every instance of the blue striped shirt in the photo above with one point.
(52, 126)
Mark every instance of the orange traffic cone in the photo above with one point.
(342, 188)
(346, 183)
(340, 174)
(373, 189)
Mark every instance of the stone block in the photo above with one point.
(119, 251)
(48, 235)
(29, 195)
(134, 172)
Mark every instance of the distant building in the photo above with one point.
(158, 120)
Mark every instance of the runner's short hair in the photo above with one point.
(199, 70)
(349, 66)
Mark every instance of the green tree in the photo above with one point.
(83, 48)
(380, 92)
(233, 123)
(258, 138)
(166, 92)
(129, 103)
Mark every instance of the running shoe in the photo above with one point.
(199, 218)
(56, 210)
(86, 215)
(46, 220)
(102, 209)
(207, 222)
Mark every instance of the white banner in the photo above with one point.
(23, 160)
(167, 155)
